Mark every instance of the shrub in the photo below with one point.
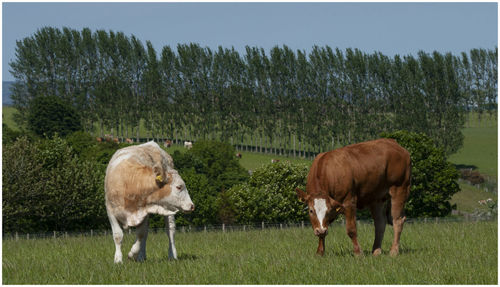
(46, 187)
(474, 177)
(269, 195)
(49, 115)
(208, 169)
(87, 148)
(9, 135)
(433, 178)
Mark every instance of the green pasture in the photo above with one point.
(479, 150)
(468, 196)
(8, 117)
(431, 253)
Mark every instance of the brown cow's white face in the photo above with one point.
(322, 211)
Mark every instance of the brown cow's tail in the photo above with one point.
(388, 212)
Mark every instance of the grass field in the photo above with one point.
(479, 150)
(443, 253)
(8, 117)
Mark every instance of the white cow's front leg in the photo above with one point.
(170, 226)
(138, 250)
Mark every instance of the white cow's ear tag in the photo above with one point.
(159, 178)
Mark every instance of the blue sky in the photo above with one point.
(391, 28)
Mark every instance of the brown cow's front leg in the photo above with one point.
(350, 216)
(321, 246)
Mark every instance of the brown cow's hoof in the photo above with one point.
(394, 252)
(377, 252)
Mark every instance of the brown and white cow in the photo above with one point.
(359, 176)
(141, 180)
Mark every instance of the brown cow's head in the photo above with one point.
(322, 211)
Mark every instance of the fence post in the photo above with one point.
(205, 228)
(281, 226)
(17, 236)
(54, 234)
(91, 232)
(28, 236)
(223, 227)
(437, 219)
(302, 224)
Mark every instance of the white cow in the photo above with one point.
(141, 180)
(188, 145)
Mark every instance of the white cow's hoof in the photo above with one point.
(132, 256)
(118, 257)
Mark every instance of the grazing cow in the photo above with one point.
(99, 139)
(188, 145)
(116, 140)
(141, 180)
(238, 155)
(274, 160)
(355, 177)
(167, 143)
(129, 141)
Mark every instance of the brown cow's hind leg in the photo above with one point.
(399, 195)
(377, 211)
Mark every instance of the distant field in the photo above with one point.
(479, 150)
(468, 197)
(443, 253)
(7, 117)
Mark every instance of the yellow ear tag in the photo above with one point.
(337, 210)
(159, 178)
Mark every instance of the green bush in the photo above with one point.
(209, 169)
(9, 135)
(433, 178)
(87, 148)
(49, 115)
(269, 195)
(47, 187)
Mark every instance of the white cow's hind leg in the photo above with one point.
(170, 225)
(117, 237)
(138, 250)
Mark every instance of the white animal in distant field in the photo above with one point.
(141, 180)
(188, 145)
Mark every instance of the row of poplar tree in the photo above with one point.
(286, 100)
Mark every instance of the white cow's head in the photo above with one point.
(179, 197)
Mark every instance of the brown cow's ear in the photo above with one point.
(337, 206)
(302, 195)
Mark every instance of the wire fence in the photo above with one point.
(231, 228)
